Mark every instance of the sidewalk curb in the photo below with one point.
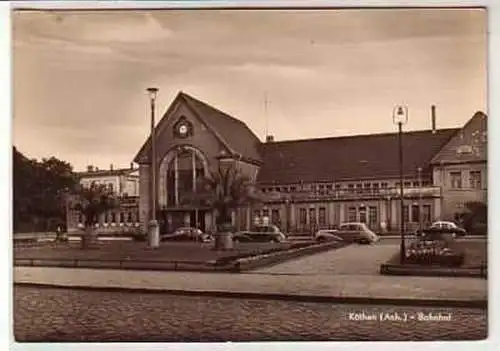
(476, 304)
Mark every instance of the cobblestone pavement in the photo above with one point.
(353, 259)
(46, 314)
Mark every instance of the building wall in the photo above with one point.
(457, 193)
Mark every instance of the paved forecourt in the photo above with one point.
(322, 285)
(351, 260)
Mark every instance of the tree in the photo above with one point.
(475, 217)
(224, 190)
(39, 188)
(91, 202)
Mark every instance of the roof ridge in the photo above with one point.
(213, 108)
(360, 136)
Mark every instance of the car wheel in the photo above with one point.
(321, 239)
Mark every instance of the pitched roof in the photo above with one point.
(349, 157)
(469, 145)
(232, 132)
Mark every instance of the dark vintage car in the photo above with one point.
(443, 227)
(265, 233)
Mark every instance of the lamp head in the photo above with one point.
(400, 114)
(153, 92)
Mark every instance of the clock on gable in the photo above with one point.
(183, 128)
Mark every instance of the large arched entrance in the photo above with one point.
(178, 174)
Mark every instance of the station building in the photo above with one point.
(312, 183)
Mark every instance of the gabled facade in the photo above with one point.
(460, 167)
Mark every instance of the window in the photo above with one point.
(106, 215)
(80, 218)
(415, 213)
(362, 215)
(322, 216)
(416, 184)
(275, 216)
(384, 185)
(129, 217)
(407, 184)
(367, 185)
(337, 186)
(113, 217)
(456, 180)
(302, 216)
(312, 215)
(373, 216)
(350, 186)
(426, 213)
(375, 185)
(475, 179)
(351, 214)
(122, 217)
(329, 187)
(292, 189)
(256, 213)
(405, 214)
(110, 186)
(265, 213)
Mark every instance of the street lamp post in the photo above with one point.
(153, 232)
(400, 117)
(420, 218)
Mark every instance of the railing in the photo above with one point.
(387, 193)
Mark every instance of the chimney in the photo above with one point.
(131, 165)
(111, 167)
(90, 168)
(433, 118)
(269, 139)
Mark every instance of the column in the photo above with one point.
(330, 213)
(342, 216)
(144, 196)
(176, 177)
(394, 205)
(187, 219)
(436, 209)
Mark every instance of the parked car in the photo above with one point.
(266, 233)
(327, 235)
(445, 227)
(187, 234)
(357, 233)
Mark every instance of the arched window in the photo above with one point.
(113, 217)
(183, 171)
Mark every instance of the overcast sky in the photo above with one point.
(80, 77)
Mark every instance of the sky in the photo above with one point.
(79, 77)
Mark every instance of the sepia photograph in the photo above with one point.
(187, 175)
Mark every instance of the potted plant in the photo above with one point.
(91, 202)
(224, 190)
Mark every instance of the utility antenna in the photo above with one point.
(265, 115)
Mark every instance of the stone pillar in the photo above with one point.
(330, 213)
(395, 205)
(144, 196)
(342, 216)
(436, 210)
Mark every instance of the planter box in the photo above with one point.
(433, 271)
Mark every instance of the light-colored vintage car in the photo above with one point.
(351, 232)
(263, 233)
